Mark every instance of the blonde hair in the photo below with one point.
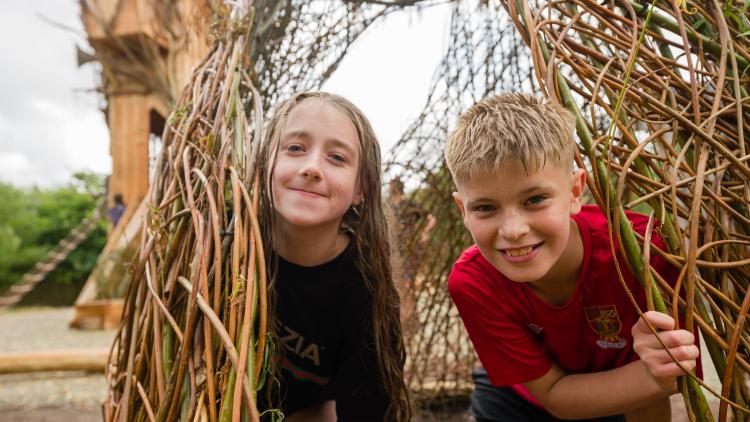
(370, 240)
(509, 126)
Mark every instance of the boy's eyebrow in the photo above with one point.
(479, 200)
(536, 187)
(526, 191)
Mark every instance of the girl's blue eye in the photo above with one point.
(338, 157)
(294, 148)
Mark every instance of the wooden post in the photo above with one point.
(129, 127)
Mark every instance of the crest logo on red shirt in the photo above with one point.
(605, 322)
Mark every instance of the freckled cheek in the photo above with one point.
(483, 233)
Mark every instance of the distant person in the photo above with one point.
(413, 227)
(412, 234)
(539, 292)
(116, 211)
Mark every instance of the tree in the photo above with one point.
(33, 221)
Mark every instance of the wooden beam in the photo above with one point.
(54, 360)
(124, 17)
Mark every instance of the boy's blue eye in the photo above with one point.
(536, 199)
(484, 208)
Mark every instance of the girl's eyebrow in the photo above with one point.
(305, 135)
(343, 145)
(297, 134)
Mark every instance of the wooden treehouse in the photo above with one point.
(146, 55)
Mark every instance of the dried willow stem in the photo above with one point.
(183, 243)
(484, 55)
(678, 150)
(193, 342)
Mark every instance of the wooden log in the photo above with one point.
(103, 314)
(54, 360)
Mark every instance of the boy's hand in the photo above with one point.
(681, 344)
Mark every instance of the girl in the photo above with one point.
(339, 353)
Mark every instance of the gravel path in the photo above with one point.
(77, 396)
(49, 396)
(40, 329)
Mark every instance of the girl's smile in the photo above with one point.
(308, 193)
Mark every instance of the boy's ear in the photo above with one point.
(459, 204)
(577, 188)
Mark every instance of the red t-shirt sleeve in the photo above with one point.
(508, 351)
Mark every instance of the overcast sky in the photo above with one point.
(51, 125)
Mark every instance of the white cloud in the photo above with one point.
(12, 162)
(50, 109)
(44, 116)
(49, 117)
(387, 73)
(86, 142)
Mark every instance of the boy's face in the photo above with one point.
(521, 221)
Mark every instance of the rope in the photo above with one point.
(54, 257)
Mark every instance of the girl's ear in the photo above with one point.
(358, 197)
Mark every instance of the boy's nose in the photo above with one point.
(514, 227)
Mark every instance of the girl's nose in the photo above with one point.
(311, 168)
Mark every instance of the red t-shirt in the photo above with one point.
(518, 336)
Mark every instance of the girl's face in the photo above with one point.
(315, 175)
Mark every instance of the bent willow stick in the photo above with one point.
(659, 92)
(193, 344)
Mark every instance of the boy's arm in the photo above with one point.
(625, 389)
(597, 394)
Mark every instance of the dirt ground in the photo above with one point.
(76, 396)
(49, 396)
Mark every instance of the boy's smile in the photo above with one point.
(521, 221)
(521, 254)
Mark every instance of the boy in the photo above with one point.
(538, 292)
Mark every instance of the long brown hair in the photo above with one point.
(369, 232)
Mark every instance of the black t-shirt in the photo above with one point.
(328, 351)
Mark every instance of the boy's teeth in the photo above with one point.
(519, 252)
